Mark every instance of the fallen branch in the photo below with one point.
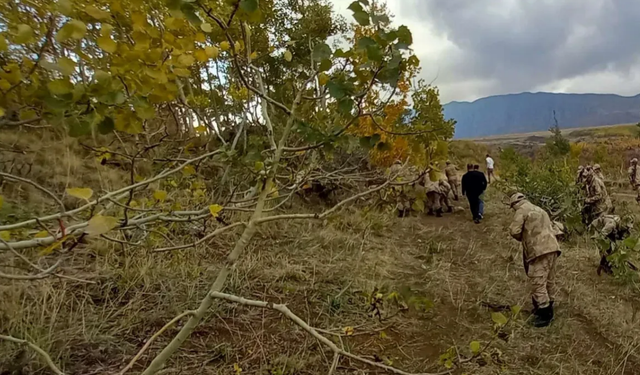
(284, 310)
(36, 348)
(203, 239)
(155, 336)
(41, 275)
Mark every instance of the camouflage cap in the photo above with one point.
(634, 161)
(596, 167)
(516, 198)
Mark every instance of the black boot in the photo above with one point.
(542, 316)
(439, 212)
(430, 212)
(450, 209)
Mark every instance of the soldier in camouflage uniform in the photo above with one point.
(597, 171)
(533, 228)
(434, 195)
(613, 228)
(403, 199)
(597, 202)
(451, 171)
(445, 189)
(634, 178)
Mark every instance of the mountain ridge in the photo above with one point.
(534, 111)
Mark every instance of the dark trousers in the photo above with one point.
(474, 205)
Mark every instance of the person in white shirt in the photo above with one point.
(490, 165)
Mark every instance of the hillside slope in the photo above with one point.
(529, 112)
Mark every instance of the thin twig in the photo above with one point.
(36, 348)
(36, 185)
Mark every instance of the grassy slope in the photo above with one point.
(323, 270)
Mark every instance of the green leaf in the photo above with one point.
(73, 29)
(630, 242)
(106, 126)
(418, 205)
(380, 19)
(365, 2)
(365, 42)
(404, 35)
(374, 53)
(475, 347)
(337, 89)
(345, 105)
(389, 76)
(325, 65)
(321, 51)
(78, 127)
(190, 14)
(113, 98)
(515, 309)
(384, 146)
(341, 53)
(355, 7)
(215, 209)
(362, 18)
(365, 142)
(499, 319)
(60, 87)
(143, 109)
(24, 34)
(82, 193)
(249, 6)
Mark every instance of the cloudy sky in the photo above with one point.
(477, 48)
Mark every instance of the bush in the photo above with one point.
(547, 182)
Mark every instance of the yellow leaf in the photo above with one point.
(106, 29)
(2, 110)
(160, 195)
(383, 335)
(100, 225)
(200, 37)
(4, 85)
(201, 55)
(200, 129)
(181, 72)
(258, 166)
(1, 199)
(215, 209)
(24, 34)
(5, 235)
(107, 44)
(60, 87)
(188, 170)
(3, 44)
(348, 331)
(66, 66)
(73, 29)
(42, 234)
(323, 79)
(475, 347)
(49, 249)
(498, 318)
(206, 27)
(186, 60)
(65, 7)
(254, 55)
(237, 369)
(96, 13)
(211, 51)
(82, 193)
(288, 56)
(225, 46)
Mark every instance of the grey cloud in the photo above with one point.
(517, 45)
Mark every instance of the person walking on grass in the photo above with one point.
(481, 202)
(490, 166)
(451, 171)
(532, 227)
(474, 184)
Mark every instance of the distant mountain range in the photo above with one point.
(531, 112)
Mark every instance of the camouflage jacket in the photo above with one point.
(444, 186)
(607, 224)
(452, 173)
(431, 187)
(532, 226)
(404, 175)
(597, 196)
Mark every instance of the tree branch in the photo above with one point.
(37, 349)
(36, 185)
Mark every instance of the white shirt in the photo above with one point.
(489, 162)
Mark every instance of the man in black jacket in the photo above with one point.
(474, 183)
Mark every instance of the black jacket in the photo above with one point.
(474, 183)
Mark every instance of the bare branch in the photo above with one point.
(203, 239)
(284, 310)
(44, 274)
(36, 348)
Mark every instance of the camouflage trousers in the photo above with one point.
(542, 278)
(444, 202)
(455, 188)
(433, 201)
